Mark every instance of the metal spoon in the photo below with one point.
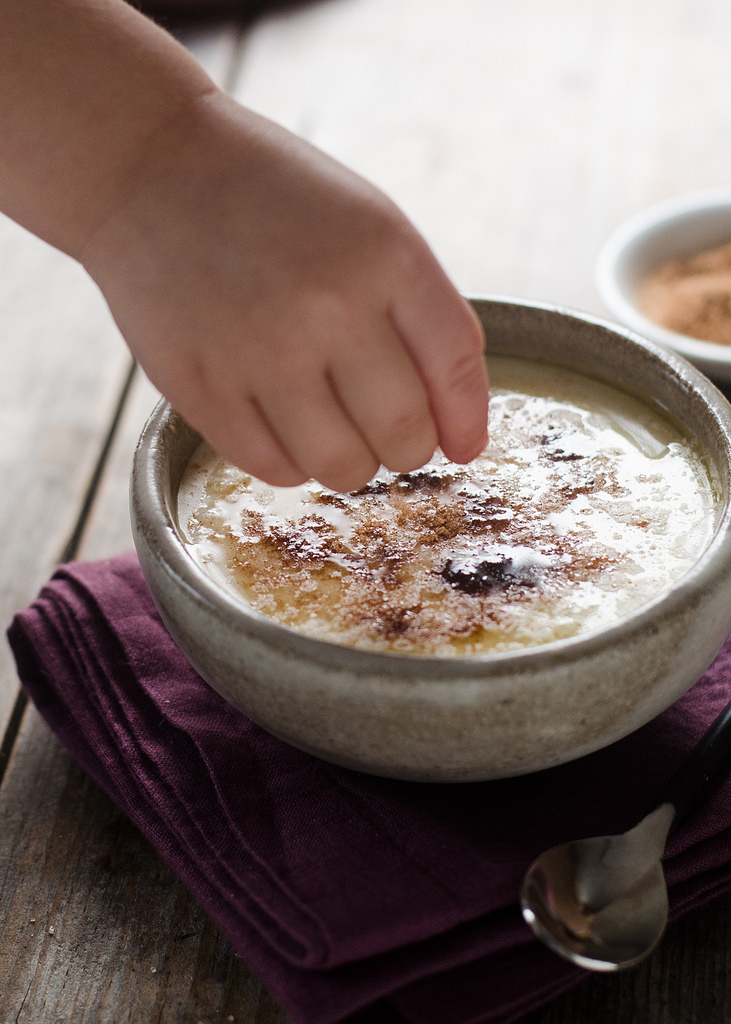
(603, 902)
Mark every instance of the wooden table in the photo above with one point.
(516, 136)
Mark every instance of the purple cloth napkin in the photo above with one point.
(354, 898)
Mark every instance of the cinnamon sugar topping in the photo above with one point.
(585, 505)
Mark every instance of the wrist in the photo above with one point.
(169, 174)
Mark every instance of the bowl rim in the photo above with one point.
(628, 237)
(159, 533)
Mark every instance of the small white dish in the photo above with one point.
(674, 229)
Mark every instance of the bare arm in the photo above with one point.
(285, 306)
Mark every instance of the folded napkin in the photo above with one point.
(354, 898)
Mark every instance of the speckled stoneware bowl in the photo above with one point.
(470, 718)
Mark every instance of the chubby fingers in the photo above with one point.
(341, 405)
(239, 431)
(384, 395)
(364, 407)
(446, 342)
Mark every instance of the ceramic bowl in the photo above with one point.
(670, 230)
(465, 718)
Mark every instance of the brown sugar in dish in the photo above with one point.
(692, 296)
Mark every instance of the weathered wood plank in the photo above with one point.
(94, 928)
(516, 136)
(63, 365)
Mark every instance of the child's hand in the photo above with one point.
(286, 308)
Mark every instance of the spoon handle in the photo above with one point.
(714, 749)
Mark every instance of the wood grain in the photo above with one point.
(516, 136)
(63, 366)
(94, 927)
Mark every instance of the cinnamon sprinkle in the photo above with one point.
(692, 296)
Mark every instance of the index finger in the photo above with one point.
(445, 339)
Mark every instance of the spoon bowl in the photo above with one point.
(602, 903)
